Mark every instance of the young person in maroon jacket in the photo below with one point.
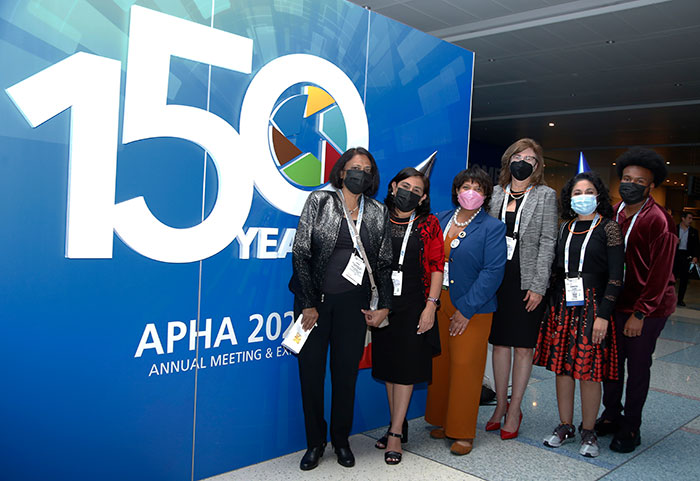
(648, 295)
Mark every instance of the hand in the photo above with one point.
(633, 327)
(458, 324)
(374, 318)
(533, 300)
(600, 328)
(695, 260)
(309, 319)
(427, 318)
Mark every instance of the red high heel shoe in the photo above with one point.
(495, 426)
(514, 434)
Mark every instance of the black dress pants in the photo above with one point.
(341, 325)
(681, 271)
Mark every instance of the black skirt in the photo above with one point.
(512, 325)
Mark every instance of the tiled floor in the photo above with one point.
(670, 446)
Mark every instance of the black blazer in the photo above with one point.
(693, 241)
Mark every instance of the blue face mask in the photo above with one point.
(584, 204)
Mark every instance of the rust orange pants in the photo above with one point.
(458, 372)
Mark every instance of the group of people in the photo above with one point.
(586, 297)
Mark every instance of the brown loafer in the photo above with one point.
(462, 447)
(438, 433)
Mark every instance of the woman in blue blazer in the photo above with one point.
(475, 258)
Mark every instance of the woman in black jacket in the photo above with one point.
(333, 291)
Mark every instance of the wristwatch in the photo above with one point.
(434, 300)
(639, 315)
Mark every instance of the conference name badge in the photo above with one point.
(511, 242)
(296, 336)
(355, 270)
(397, 279)
(446, 276)
(574, 291)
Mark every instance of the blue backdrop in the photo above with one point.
(124, 366)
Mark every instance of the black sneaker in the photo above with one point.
(603, 427)
(625, 441)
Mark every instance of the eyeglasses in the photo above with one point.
(367, 170)
(529, 159)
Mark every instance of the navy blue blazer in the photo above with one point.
(477, 264)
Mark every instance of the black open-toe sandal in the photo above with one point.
(381, 442)
(392, 457)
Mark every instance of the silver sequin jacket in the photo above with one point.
(315, 240)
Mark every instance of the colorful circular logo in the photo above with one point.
(307, 134)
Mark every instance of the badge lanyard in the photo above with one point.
(575, 286)
(349, 218)
(629, 231)
(455, 243)
(397, 275)
(519, 212)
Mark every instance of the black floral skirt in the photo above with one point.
(565, 346)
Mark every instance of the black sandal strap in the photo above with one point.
(393, 435)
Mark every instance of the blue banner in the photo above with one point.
(153, 164)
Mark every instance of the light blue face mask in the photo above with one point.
(584, 204)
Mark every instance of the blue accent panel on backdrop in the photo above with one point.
(145, 367)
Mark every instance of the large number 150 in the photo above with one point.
(90, 86)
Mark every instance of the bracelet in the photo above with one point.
(434, 300)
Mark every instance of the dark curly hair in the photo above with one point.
(646, 158)
(604, 206)
(337, 182)
(473, 174)
(424, 207)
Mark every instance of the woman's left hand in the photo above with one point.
(427, 318)
(533, 300)
(458, 324)
(600, 328)
(374, 318)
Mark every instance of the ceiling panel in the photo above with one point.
(443, 11)
(412, 17)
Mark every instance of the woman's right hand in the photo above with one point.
(310, 317)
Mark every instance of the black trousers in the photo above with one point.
(681, 271)
(636, 353)
(341, 325)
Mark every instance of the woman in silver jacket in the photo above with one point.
(333, 292)
(529, 209)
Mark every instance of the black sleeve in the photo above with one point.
(301, 255)
(385, 285)
(616, 261)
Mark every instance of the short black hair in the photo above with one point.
(604, 206)
(473, 174)
(686, 213)
(646, 158)
(337, 182)
(424, 207)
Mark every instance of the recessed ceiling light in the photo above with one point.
(675, 182)
(614, 163)
(573, 95)
(668, 180)
(492, 60)
(668, 163)
(685, 173)
(610, 42)
(677, 84)
(551, 124)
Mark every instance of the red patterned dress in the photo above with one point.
(564, 344)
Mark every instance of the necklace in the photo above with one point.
(399, 223)
(464, 224)
(353, 210)
(519, 195)
(585, 231)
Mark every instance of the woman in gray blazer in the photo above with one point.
(529, 209)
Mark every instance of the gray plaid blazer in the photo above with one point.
(537, 237)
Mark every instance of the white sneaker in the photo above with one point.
(589, 444)
(562, 434)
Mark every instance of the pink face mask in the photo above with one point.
(470, 199)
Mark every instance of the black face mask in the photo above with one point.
(521, 169)
(632, 193)
(405, 200)
(357, 181)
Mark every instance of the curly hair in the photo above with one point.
(424, 207)
(473, 174)
(646, 158)
(518, 146)
(604, 206)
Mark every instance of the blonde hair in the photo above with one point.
(537, 177)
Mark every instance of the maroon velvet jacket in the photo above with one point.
(651, 248)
